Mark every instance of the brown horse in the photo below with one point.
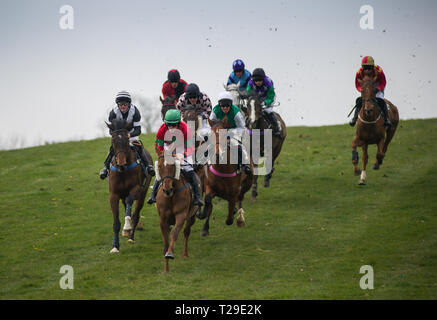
(222, 179)
(167, 104)
(370, 127)
(256, 120)
(173, 202)
(126, 182)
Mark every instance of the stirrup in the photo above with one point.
(104, 173)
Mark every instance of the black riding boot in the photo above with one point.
(144, 163)
(384, 110)
(194, 182)
(105, 171)
(358, 104)
(152, 198)
(244, 166)
(275, 123)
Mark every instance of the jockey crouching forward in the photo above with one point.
(124, 109)
(235, 125)
(202, 104)
(168, 134)
(263, 85)
(368, 66)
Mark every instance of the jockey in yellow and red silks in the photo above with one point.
(369, 67)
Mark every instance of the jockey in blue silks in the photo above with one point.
(240, 74)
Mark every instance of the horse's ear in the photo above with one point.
(110, 125)
(375, 78)
(160, 99)
(225, 86)
(211, 123)
(360, 82)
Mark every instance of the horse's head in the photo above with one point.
(120, 140)
(238, 95)
(218, 132)
(254, 111)
(368, 90)
(167, 104)
(168, 171)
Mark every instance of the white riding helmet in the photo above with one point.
(226, 95)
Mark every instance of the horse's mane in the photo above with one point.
(169, 101)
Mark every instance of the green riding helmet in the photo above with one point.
(172, 116)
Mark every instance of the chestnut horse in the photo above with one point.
(126, 182)
(222, 179)
(173, 202)
(256, 120)
(370, 127)
(167, 104)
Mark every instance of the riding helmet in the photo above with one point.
(368, 61)
(192, 91)
(172, 116)
(173, 75)
(258, 74)
(123, 96)
(225, 98)
(238, 65)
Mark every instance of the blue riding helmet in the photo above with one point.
(238, 65)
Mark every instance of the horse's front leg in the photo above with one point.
(207, 210)
(379, 154)
(114, 199)
(355, 144)
(365, 160)
(231, 211)
(127, 228)
(136, 216)
(255, 188)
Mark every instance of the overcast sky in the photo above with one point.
(58, 85)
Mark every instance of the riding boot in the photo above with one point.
(384, 110)
(105, 171)
(194, 182)
(152, 198)
(144, 163)
(244, 166)
(275, 123)
(358, 104)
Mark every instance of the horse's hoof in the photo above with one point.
(126, 233)
(169, 255)
(266, 184)
(229, 222)
(362, 183)
(204, 233)
(357, 173)
(140, 225)
(114, 250)
(241, 223)
(131, 241)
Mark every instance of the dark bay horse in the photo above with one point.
(173, 202)
(370, 127)
(126, 182)
(221, 179)
(167, 104)
(256, 120)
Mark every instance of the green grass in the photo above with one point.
(306, 237)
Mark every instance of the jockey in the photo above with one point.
(239, 75)
(236, 125)
(124, 109)
(263, 85)
(174, 86)
(201, 103)
(172, 121)
(369, 64)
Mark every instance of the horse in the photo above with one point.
(224, 181)
(126, 182)
(173, 202)
(167, 104)
(239, 96)
(370, 128)
(190, 114)
(257, 120)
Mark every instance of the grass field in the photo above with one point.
(305, 238)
